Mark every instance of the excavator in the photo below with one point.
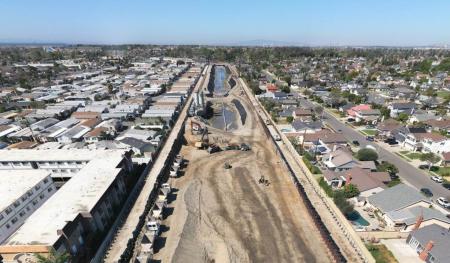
(204, 140)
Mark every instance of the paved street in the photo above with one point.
(407, 172)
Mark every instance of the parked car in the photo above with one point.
(446, 186)
(443, 202)
(391, 141)
(355, 142)
(427, 192)
(370, 138)
(437, 179)
(424, 166)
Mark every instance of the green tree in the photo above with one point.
(387, 167)
(350, 190)
(318, 110)
(385, 112)
(341, 202)
(366, 154)
(430, 158)
(286, 89)
(403, 117)
(288, 79)
(53, 257)
(110, 88)
(289, 119)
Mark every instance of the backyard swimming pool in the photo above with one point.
(357, 219)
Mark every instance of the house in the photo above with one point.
(302, 114)
(433, 142)
(7, 129)
(86, 115)
(341, 159)
(397, 198)
(367, 182)
(416, 217)
(406, 136)
(446, 159)
(306, 127)
(386, 127)
(96, 135)
(323, 141)
(397, 108)
(73, 134)
(279, 95)
(439, 125)
(286, 112)
(43, 124)
(346, 107)
(422, 117)
(431, 243)
(271, 87)
(139, 147)
(144, 135)
(288, 103)
(353, 110)
(367, 115)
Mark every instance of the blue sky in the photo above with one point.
(314, 22)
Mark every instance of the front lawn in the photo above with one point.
(442, 171)
(394, 182)
(370, 132)
(414, 155)
(411, 155)
(443, 94)
(381, 253)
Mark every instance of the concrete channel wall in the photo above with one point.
(132, 218)
(163, 171)
(341, 222)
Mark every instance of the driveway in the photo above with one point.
(402, 251)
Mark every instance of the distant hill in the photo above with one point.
(266, 43)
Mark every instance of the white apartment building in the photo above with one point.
(22, 192)
(84, 206)
(60, 163)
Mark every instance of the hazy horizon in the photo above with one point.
(289, 22)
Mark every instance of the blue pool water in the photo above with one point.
(357, 219)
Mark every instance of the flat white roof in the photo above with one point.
(15, 183)
(48, 155)
(80, 194)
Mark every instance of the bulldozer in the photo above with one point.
(204, 140)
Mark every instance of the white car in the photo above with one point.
(437, 179)
(443, 202)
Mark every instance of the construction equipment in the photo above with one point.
(213, 148)
(264, 181)
(204, 140)
(227, 166)
(232, 146)
(196, 128)
(244, 147)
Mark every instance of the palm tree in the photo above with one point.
(53, 257)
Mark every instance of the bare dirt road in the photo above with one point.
(226, 215)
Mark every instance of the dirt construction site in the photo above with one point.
(235, 205)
